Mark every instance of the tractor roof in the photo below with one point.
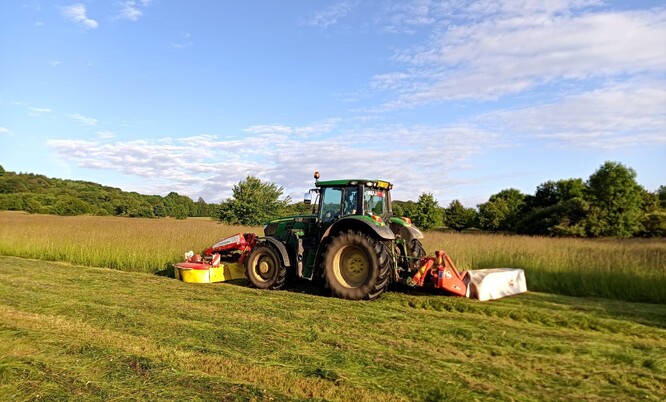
(352, 182)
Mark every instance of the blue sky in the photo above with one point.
(458, 98)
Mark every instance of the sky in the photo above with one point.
(456, 98)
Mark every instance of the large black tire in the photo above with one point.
(356, 266)
(264, 268)
(414, 249)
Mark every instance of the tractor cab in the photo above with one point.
(357, 197)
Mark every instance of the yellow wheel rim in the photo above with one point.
(263, 268)
(351, 267)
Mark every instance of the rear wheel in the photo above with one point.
(356, 266)
(409, 254)
(264, 268)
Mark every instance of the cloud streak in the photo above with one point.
(209, 165)
(331, 14)
(616, 115)
(131, 10)
(486, 50)
(77, 14)
(88, 121)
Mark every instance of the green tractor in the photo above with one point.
(351, 240)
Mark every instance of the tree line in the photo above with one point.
(39, 194)
(609, 203)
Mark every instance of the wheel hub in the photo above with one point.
(263, 267)
(353, 267)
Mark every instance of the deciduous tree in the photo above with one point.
(457, 217)
(253, 203)
(615, 201)
(427, 213)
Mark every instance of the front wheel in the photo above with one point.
(264, 268)
(356, 266)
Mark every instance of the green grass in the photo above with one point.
(73, 332)
(621, 269)
(127, 244)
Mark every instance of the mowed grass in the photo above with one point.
(622, 269)
(76, 333)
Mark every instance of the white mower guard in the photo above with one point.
(495, 283)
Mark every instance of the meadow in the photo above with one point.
(70, 332)
(622, 269)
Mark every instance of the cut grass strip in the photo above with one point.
(70, 332)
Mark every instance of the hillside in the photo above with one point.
(37, 193)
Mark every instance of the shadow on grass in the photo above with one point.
(166, 271)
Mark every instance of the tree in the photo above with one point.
(427, 213)
(201, 207)
(557, 208)
(661, 193)
(70, 206)
(492, 214)
(457, 217)
(253, 203)
(615, 200)
(403, 208)
(298, 208)
(502, 211)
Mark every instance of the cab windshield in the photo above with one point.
(375, 202)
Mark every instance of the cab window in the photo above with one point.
(374, 202)
(331, 204)
(350, 201)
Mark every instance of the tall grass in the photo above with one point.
(624, 269)
(127, 244)
(632, 270)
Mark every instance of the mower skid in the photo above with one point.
(495, 283)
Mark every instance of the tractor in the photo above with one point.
(351, 240)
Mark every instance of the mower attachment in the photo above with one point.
(481, 284)
(221, 262)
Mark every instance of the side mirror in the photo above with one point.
(307, 199)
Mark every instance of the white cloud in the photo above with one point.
(404, 17)
(77, 14)
(55, 63)
(5, 131)
(209, 165)
(184, 41)
(88, 121)
(106, 135)
(131, 10)
(38, 111)
(490, 49)
(331, 14)
(613, 116)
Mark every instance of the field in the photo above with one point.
(72, 330)
(631, 270)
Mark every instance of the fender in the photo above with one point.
(280, 247)
(360, 222)
(406, 230)
(410, 232)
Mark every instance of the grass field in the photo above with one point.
(77, 333)
(631, 270)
